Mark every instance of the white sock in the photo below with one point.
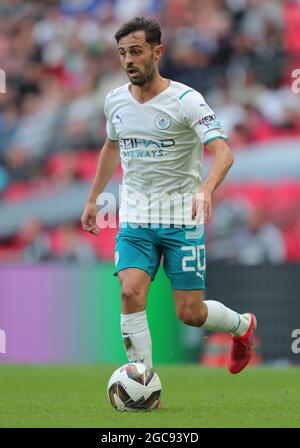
(136, 337)
(223, 319)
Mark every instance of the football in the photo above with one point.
(134, 387)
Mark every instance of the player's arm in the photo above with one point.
(108, 162)
(222, 161)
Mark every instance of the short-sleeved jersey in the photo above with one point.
(161, 149)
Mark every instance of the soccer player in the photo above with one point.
(157, 128)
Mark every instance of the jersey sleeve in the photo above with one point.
(110, 128)
(200, 117)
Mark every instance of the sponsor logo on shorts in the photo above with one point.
(200, 275)
(117, 257)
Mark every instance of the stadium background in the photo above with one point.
(58, 300)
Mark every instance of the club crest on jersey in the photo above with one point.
(162, 121)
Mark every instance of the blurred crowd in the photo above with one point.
(60, 60)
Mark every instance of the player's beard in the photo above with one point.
(144, 77)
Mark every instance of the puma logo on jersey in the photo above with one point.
(119, 118)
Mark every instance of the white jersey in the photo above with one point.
(161, 149)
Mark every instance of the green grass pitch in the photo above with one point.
(193, 397)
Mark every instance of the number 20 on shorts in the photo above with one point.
(196, 252)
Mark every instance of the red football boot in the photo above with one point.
(158, 405)
(242, 348)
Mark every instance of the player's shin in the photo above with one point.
(136, 337)
(224, 320)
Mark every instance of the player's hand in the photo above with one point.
(202, 206)
(88, 219)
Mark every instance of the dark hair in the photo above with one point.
(150, 26)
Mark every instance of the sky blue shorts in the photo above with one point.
(182, 249)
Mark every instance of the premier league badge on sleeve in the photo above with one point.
(162, 121)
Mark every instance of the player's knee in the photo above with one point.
(132, 298)
(191, 316)
(191, 319)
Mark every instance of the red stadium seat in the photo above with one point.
(257, 194)
(60, 163)
(86, 163)
(104, 243)
(291, 237)
(18, 191)
(285, 196)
